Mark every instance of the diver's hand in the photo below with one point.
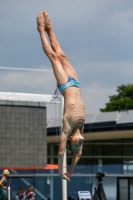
(65, 177)
(68, 174)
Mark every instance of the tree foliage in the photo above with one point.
(123, 100)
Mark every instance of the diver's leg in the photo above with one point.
(59, 71)
(57, 49)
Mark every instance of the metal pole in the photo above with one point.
(64, 182)
(52, 178)
(8, 193)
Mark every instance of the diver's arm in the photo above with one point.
(60, 164)
(76, 156)
(62, 148)
(75, 159)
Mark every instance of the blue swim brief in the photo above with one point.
(71, 82)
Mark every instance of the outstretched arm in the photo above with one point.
(76, 156)
(75, 159)
(62, 148)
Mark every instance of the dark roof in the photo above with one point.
(106, 121)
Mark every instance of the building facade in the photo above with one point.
(108, 147)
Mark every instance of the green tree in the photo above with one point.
(123, 100)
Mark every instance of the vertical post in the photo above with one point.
(8, 193)
(64, 182)
(52, 178)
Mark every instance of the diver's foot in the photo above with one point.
(47, 22)
(40, 21)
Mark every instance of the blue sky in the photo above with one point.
(96, 35)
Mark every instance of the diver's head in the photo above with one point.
(74, 142)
